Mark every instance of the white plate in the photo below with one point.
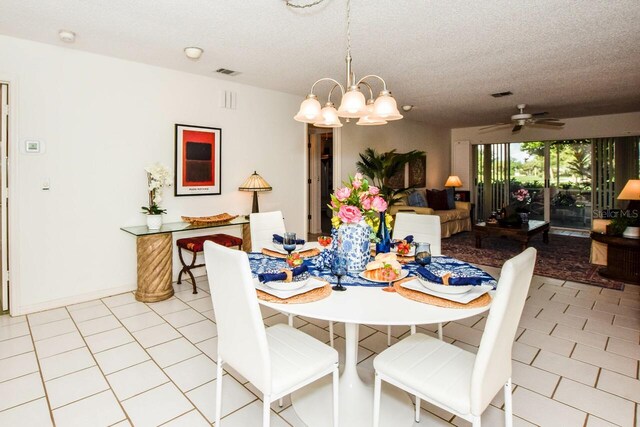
(465, 298)
(311, 283)
(440, 288)
(299, 248)
(403, 274)
(284, 286)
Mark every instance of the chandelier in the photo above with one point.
(370, 112)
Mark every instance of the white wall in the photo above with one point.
(103, 120)
(403, 135)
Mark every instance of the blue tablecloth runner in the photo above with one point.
(261, 263)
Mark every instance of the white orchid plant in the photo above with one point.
(158, 177)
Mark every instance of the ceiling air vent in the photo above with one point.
(501, 94)
(227, 72)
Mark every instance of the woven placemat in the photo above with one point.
(304, 254)
(313, 295)
(481, 301)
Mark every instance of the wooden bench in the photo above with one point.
(195, 245)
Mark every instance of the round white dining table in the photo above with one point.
(361, 305)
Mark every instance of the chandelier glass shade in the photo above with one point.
(354, 104)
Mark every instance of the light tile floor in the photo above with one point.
(120, 362)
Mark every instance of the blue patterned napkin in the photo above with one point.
(279, 239)
(275, 277)
(461, 275)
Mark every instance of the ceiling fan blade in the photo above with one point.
(516, 128)
(547, 119)
(547, 123)
(541, 113)
(495, 125)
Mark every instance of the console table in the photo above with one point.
(623, 258)
(155, 255)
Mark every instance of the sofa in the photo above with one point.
(452, 221)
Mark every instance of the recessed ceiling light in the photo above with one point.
(193, 52)
(407, 107)
(67, 36)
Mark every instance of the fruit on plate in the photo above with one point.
(294, 260)
(384, 268)
(325, 241)
(403, 247)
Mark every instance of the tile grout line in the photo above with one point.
(99, 368)
(158, 366)
(44, 388)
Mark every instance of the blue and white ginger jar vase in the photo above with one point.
(355, 245)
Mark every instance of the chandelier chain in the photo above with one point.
(303, 6)
(348, 27)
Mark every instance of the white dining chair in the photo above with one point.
(423, 228)
(454, 379)
(277, 360)
(263, 226)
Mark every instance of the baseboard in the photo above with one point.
(76, 299)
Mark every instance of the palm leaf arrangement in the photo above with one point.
(381, 167)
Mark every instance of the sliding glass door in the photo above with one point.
(568, 180)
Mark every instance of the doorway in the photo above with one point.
(320, 178)
(4, 174)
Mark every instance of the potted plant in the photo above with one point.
(381, 167)
(521, 200)
(158, 177)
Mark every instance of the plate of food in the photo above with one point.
(403, 248)
(384, 269)
(444, 287)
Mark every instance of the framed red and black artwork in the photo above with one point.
(197, 167)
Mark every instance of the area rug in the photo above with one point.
(565, 257)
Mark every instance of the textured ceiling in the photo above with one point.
(570, 58)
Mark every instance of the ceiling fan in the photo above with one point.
(526, 119)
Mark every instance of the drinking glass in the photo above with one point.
(423, 253)
(339, 269)
(289, 242)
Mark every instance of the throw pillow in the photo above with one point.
(417, 199)
(451, 200)
(437, 200)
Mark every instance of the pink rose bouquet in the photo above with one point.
(357, 201)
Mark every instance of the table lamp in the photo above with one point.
(255, 183)
(631, 192)
(453, 181)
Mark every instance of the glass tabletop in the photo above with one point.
(172, 227)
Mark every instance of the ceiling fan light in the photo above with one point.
(328, 117)
(353, 104)
(309, 110)
(386, 107)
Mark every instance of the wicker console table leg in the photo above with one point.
(154, 267)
